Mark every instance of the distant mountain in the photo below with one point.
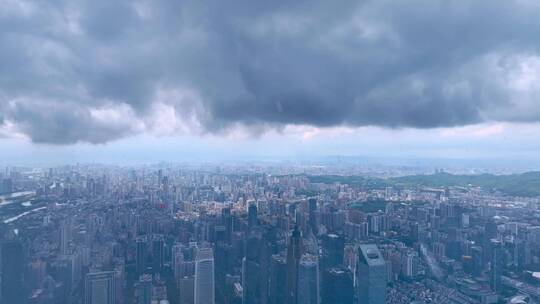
(525, 184)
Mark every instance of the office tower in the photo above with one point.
(159, 177)
(65, 234)
(157, 253)
(7, 186)
(490, 230)
(12, 272)
(308, 280)
(389, 208)
(223, 259)
(312, 206)
(409, 264)
(252, 215)
(227, 221)
(371, 275)
(333, 247)
(337, 286)
(100, 288)
(496, 266)
(143, 289)
(186, 290)
(478, 263)
(177, 258)
(278, 280)
(294, 254)
(204, 276)
(142, 251)
(255, 266)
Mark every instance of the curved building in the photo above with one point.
(204, 276)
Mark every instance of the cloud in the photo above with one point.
(79, 71)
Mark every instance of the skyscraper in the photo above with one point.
(65, 233)
(496, 266)
(255, 269)
(177, 258)
(278, 279)
(227, 221)
(186, 289)
(252, 215)
(142, 249)
(157, 253)
(294, 253)
(333, 247)
(372, 275)
(100, 288)
(337, 287)
(143, 289)
(308, 280)
(12, 272)
(204, 276)
(312, 205)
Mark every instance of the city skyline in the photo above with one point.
(433, 79)
(269, 152)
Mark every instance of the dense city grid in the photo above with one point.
(261, 234)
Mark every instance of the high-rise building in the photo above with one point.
(337, 286)
(142, 252)
(227, 221)
(255, 266)
(204, 276)
(252, 215)
(177, 258)
(157, 253)
(12, 272)
(333, 247)
(65, 234)
(294, 254)
(308, 280)
(496, 266)
(371, 275)
(186, 289)
(100, 288)
(409, 264)
(278, 280)
(6, 186)
(312, 206)
(143, 289)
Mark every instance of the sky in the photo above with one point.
(141, 81)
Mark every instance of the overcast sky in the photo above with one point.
(169, 80)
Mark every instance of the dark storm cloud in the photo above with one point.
(420, 64)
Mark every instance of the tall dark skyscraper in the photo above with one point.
(312, 206)
(227, 221)
(157, 253)
(255, 266)
(337, 286)
(143, 289)
(12, 272)
(141, 254)
(371, 275)
(332, 251)
(278, 280)
(294, 254)
(252, 215)
(308, 280)
(99, 288)
(496, 266)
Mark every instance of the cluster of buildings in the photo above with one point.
(173, 234)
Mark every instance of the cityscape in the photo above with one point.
(262, 233)
(269, 152)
